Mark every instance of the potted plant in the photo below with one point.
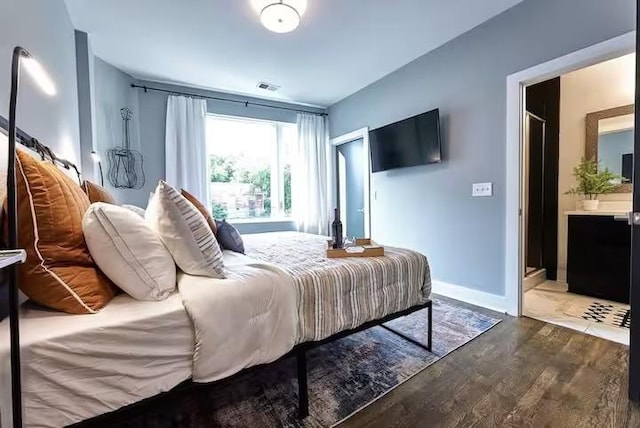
(592, 181)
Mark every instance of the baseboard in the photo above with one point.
(469, 295)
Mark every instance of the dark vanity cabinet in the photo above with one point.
(598, 257)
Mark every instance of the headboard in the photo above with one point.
(36, 149)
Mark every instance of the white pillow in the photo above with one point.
(135, 209)
(185, 233)
(129, 252)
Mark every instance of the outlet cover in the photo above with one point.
(482, 189)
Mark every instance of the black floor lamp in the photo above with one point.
(39, 75)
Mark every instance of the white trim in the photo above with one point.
(347, 138)
(469, 295)
(342, 187)
(235, 118)
(516, 83)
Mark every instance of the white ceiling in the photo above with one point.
(340, 47)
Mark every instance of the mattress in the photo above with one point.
(341, 294)
(75, 367)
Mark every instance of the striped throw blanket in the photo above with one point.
(340, 294)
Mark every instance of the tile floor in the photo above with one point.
(547, 301)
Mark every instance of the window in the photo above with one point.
(250, 167)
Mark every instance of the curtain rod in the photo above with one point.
(229, 100)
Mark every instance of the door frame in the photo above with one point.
(516, 102)
(362, 133)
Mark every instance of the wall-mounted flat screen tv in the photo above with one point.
(410, 142)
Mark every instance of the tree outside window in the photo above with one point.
(249, 167)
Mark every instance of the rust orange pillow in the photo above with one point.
(59, 272)
(97, 193)
(203, 210)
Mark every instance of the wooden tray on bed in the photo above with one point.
(371, 249)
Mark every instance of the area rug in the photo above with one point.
(602, 312)
(344, 376)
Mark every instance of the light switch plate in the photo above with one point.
(482, 189)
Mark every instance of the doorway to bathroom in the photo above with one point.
(577, 192)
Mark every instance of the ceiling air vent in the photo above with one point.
(268, 86)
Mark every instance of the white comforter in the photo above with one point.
(75, 367)
(242, 321)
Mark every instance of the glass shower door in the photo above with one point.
(535, 133)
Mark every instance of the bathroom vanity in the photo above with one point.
(599, 242)
(598, 254)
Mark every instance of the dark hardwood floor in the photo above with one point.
(521, 373)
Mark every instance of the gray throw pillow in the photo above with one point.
(229, 238)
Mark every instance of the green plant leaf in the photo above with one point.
(591, 181)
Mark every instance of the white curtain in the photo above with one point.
(185, 145)
(309, 193)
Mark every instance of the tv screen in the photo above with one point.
(410, 142)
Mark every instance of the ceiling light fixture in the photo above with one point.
(280, 16)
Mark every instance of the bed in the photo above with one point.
(284, 292)
(76, 367)
(101, 355)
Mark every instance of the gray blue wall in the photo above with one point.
(102, 91)
(153, 112)
(430, 208)
(113, 91)
(44, 28)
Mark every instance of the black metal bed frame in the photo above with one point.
(300, 353)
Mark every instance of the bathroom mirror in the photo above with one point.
(609, 140)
